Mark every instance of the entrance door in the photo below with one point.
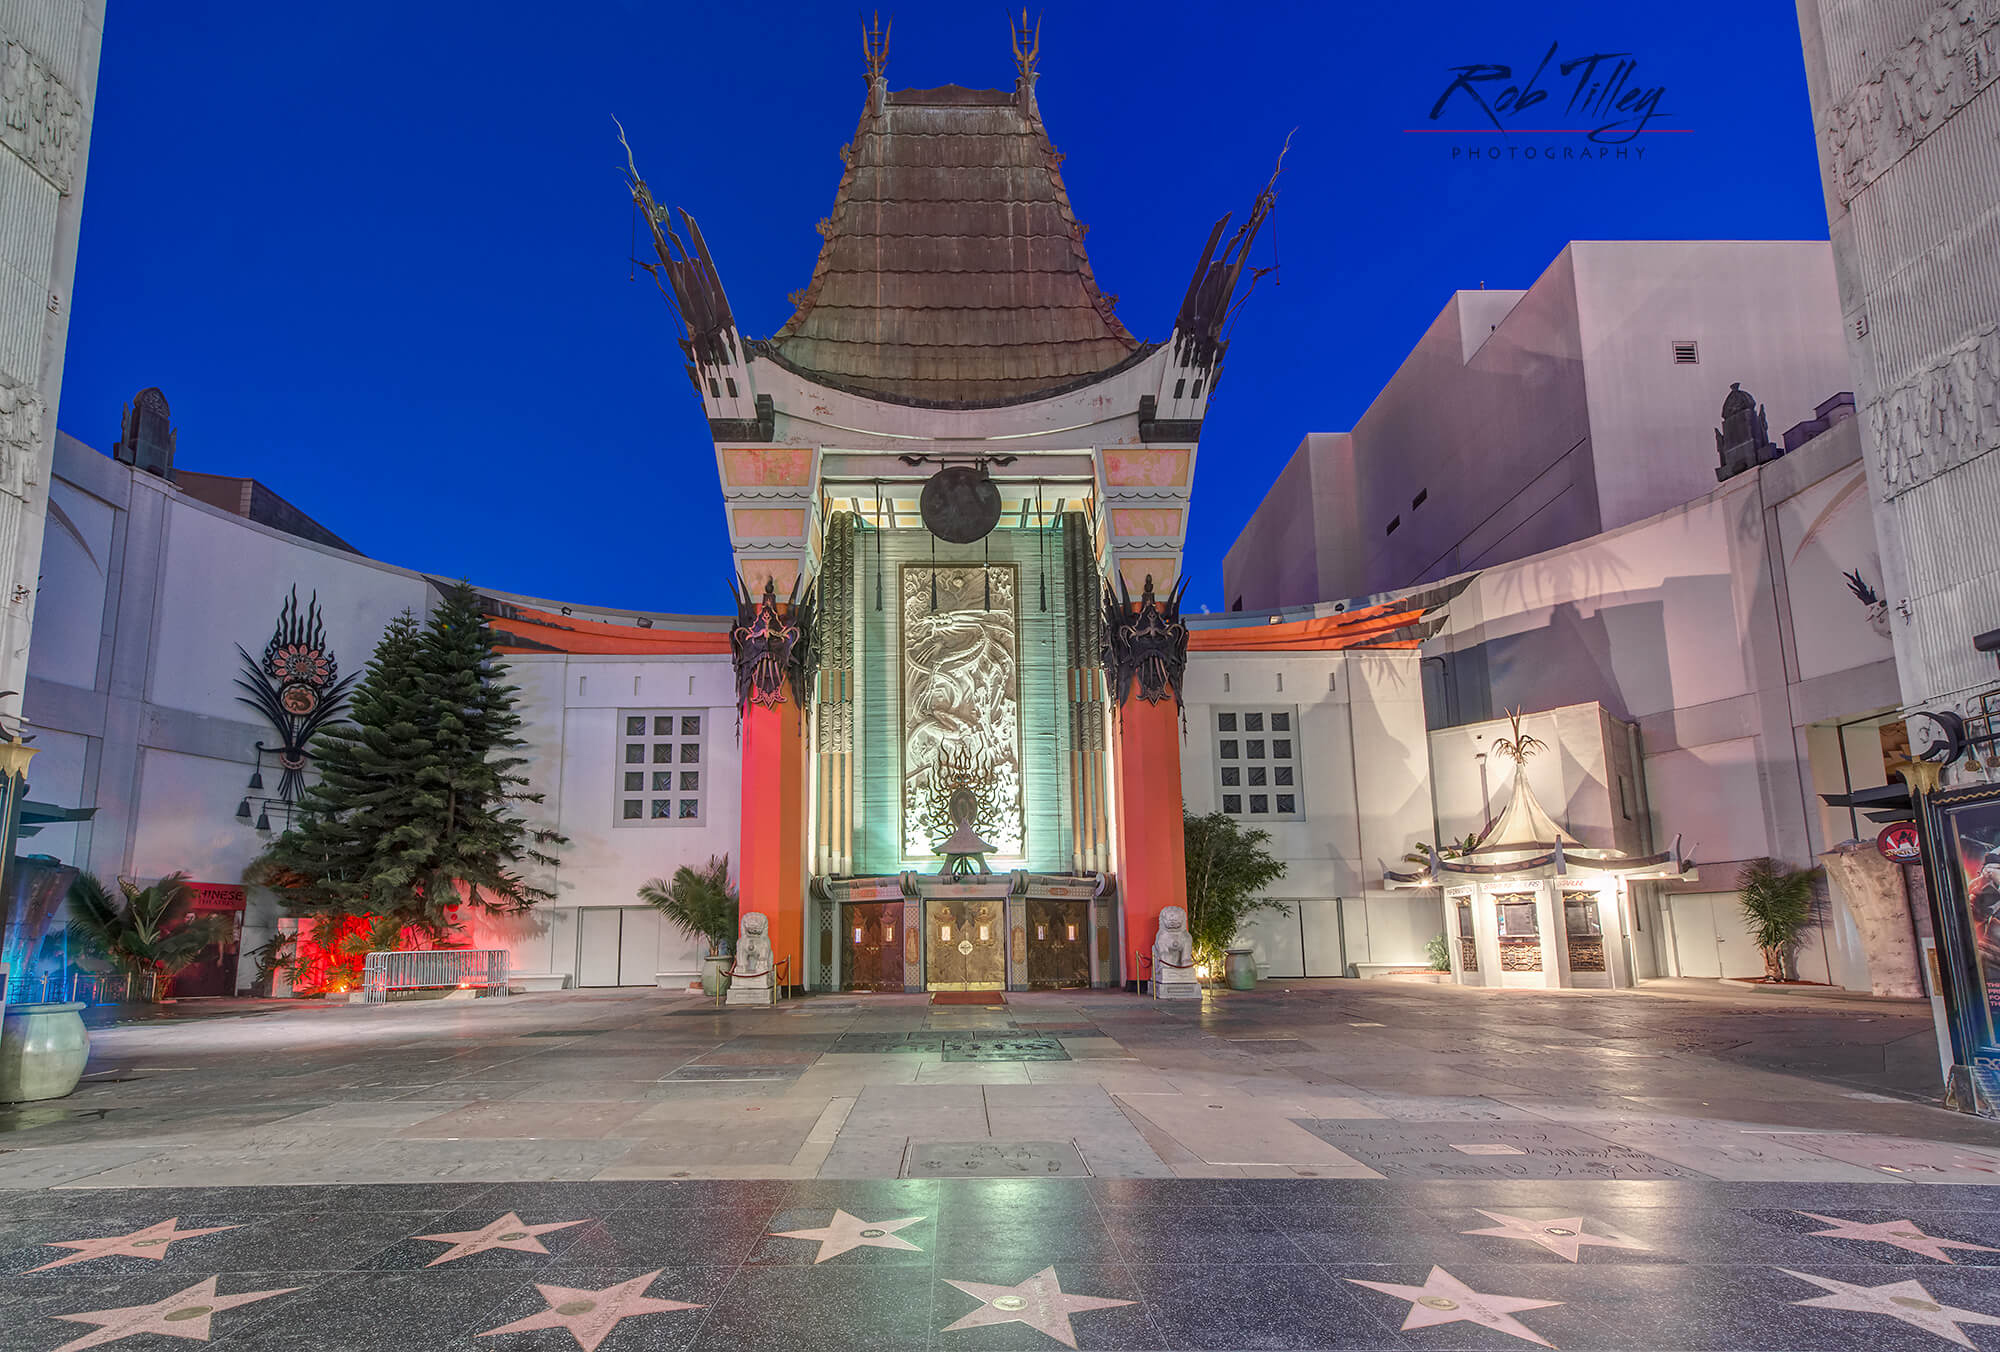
(597, 946)
(962, 948)
(1058, 944)
(872, 935)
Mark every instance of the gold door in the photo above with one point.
(963, 946)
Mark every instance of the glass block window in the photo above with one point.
(1258, 761)
(673, 789)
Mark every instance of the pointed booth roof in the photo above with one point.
(953, 272)
(1524, 843)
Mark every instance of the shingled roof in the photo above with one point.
(953, 272)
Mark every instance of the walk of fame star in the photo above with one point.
(506, 1233)
(1902, 1234)
(147, 1242)
(1444, 1299)
(846, 1232)
(1907, 1301)
(591, 1315)
(185, 1314)
(1564, 1238)
(1039, 1302)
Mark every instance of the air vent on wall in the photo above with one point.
(1394, 522)
(1687, 352)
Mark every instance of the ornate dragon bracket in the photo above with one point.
(1148, 646)
(773, 646)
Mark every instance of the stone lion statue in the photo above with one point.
(753, 949)
(1173, 949)
(752, 982)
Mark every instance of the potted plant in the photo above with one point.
(149, 933)
(701, 904)
(1227, 868)
(1779, 903)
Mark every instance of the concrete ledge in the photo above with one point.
(677, 981)
(1398, 971)
(538, 981)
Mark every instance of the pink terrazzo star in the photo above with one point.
(1907, 1301)
(506, 1233)
(1902, 1234)
(1564, 1238)
(148, 1242)
(846, 1232)
(1444, 1299)
(591, 1315)
(1039, 1302)
(185, 1314)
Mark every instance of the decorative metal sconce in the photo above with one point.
(299, 689)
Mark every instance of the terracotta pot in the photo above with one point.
(42, 1051)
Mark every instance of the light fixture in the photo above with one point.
(263, 820)
(243, 810)
(257, 775)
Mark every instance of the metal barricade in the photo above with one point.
(480, 970)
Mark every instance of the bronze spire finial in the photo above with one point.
(875, 45)
(1027, 43)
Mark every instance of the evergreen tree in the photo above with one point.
(467, 837)
(413, 809)
(324, 865)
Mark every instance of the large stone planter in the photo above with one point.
(42, 1051)
(1239, 968)
(715, 974)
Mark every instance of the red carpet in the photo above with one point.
(968, 997)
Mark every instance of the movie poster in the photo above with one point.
(1972, 831)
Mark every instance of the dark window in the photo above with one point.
(1394, 522)
(1418, 500)
(635, 753)
(1228, 748)
(1281, 749)
(1517, 918)
(690, 753)
(634, 809)
(1260, 802)
(635, 727)
(663, 781)
(635, 781)
(1231, 776)
(663, 807)
(1281, 722)
(690, 807)
(690, 780)
(1232, 802)
(1225, 722)
(663, 753)
(1253, 722)
(1580, 915)
(1254, 748)
(1257, 777)
(690, 725)
(1287, 803)
(1281, 774)
(663, 726)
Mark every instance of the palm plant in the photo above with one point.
(1779, 903)
(144, 931)
(1451, 849)
(699, 902)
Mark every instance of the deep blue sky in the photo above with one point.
(376, 253)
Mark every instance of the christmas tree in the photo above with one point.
(413, 811)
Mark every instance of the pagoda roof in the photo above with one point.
(953, 272)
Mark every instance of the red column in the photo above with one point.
(1152, 853)
(770, 867)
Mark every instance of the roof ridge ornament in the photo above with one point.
(1520, 746)
(875, 46)
(1027, 45)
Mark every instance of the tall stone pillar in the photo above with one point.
(771, 864)
(1145, 654)
(771, 647)
(1152, 855)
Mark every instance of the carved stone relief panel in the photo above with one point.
(961, 703)
(1949, 414)
(39, 118)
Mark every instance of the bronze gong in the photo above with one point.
(960, 504)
